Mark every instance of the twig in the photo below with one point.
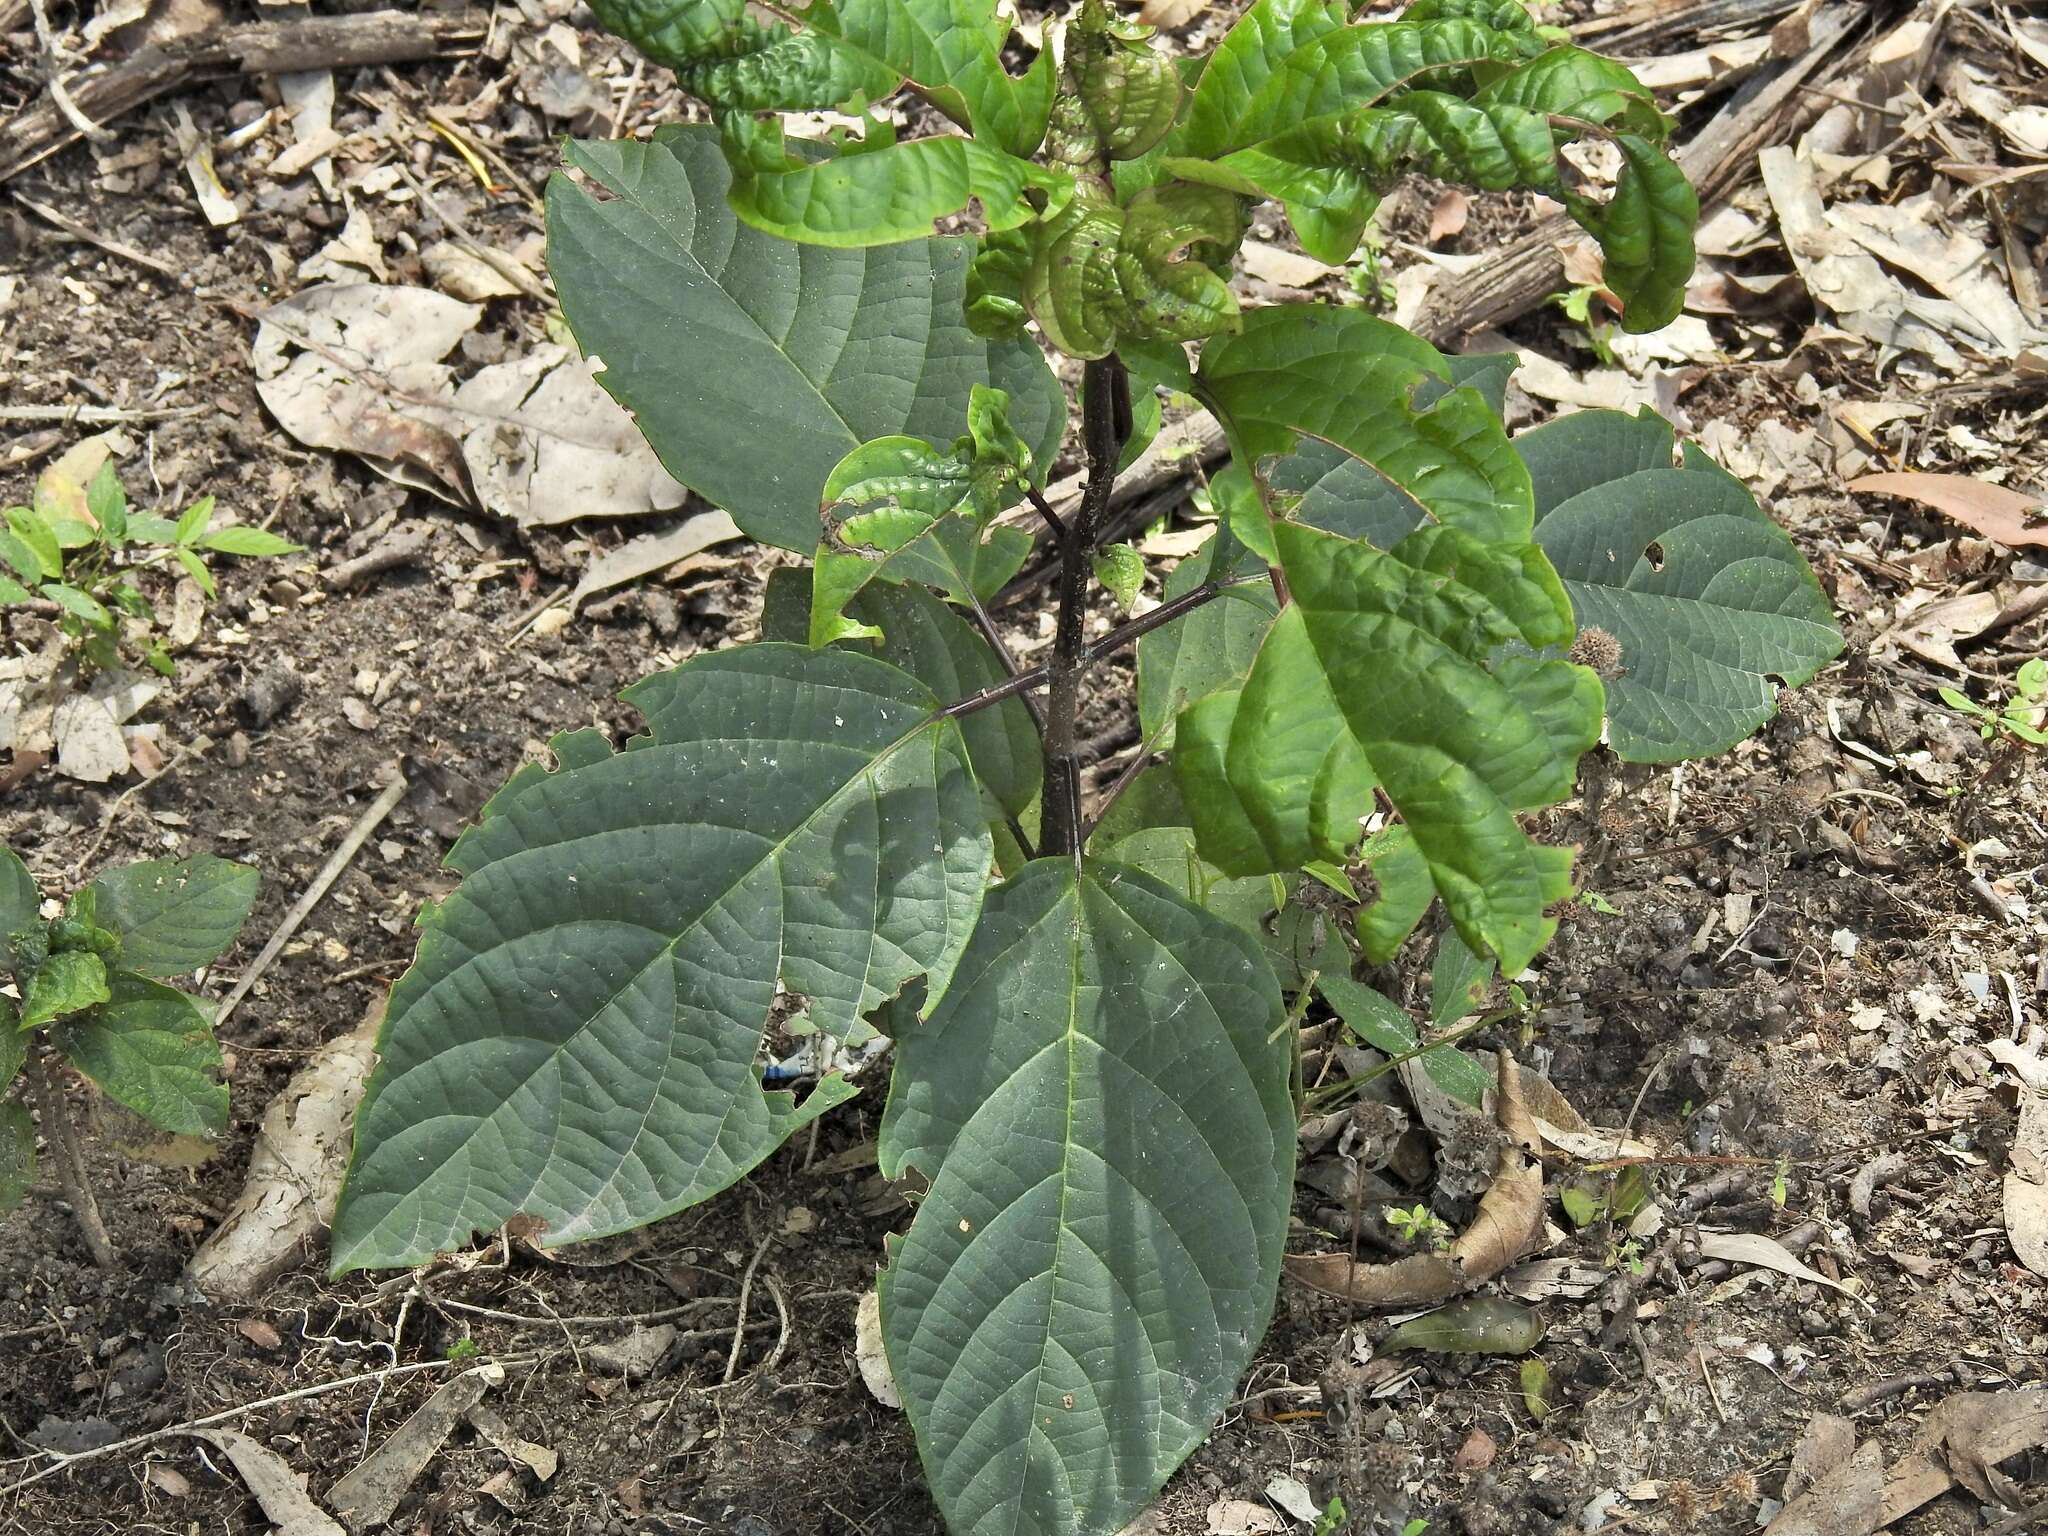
(775, 1294)
(60, 1460)
(611, 1320)
(84, 232)
(98, 415)
(515, 274)
(199, 747)
(1001, 647)
(53, 61)
(739, 1331)
(71, 1175)
(359, 834)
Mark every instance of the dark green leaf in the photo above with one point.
(1458, 980)
(1403, 892)
(1383, 672)
(754, 365)
(1102, 1106)
(20, 901)
(576, 1041)
(942, 650)
(64, 983)
(1707, 599)
(1210, 648)
(175, 915)
(1356, 382)
(152, 1048)
(1382, 1024)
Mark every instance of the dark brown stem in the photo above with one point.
(1103, 385)
(49, 1097)
(996, 643)
(1124, 635)
(1052, 518)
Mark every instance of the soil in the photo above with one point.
(1752, 910)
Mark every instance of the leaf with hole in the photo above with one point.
(174, 915)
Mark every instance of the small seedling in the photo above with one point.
(84, 556)
(1419, 1224)
(2022, 718)
(1577, 304)
(464, 1348)
(91, 988)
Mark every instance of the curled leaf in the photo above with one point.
(1474, 1325)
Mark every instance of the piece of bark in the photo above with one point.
(258, 48)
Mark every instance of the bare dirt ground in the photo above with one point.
(1794, 983)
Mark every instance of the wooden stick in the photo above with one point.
(258, 48)
(359, 834)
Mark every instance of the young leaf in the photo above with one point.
(576, 1041)
(817, 351)
(878, 192)
(829, 55)
(899, 510)
(20, 902)
(1708, 601)
(79, 604)
(1129, 92)
(1121, 570)
(1102, 1106)
(65, 983)
(32, 534)
(17, 1152)
(1458, 980)
(242, 540)
(151, 1047)
(174, 915)
(1354, 381)
(934, 644)
(193, 521)
(1382, 1024)
(1383, 671)
(195, 567)
(108, 504)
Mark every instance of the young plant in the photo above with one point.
(83, 560)
(90, 987)
(875, 819)
(2022, 717)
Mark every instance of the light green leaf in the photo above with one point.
(576, 1040)
(1356, 382)
(829, 55)
(1208, 649)
(108, 503)
(1404, 892)
(897, 509)
(1148, 271)
(1121, 570)
(1129, 91)
(193, 521)
(1382, 1024)
(21, 556)
(175, 915)
(243, 540)
(755, 365)
(942, 650)
(79, 604)
(1102, 1106)
(152, 1048)
(65, 983)
(1710, 603)
(195, 567)
(13, 592)
(17, 1154)
(34, 535)
(20, 902)
(1381, 672)
(879, 192)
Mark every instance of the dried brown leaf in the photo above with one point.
(1996, 511)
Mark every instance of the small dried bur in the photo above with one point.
(1599, 650)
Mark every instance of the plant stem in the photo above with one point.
(1117, 639)
(1103, 384)
(49, 1097)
